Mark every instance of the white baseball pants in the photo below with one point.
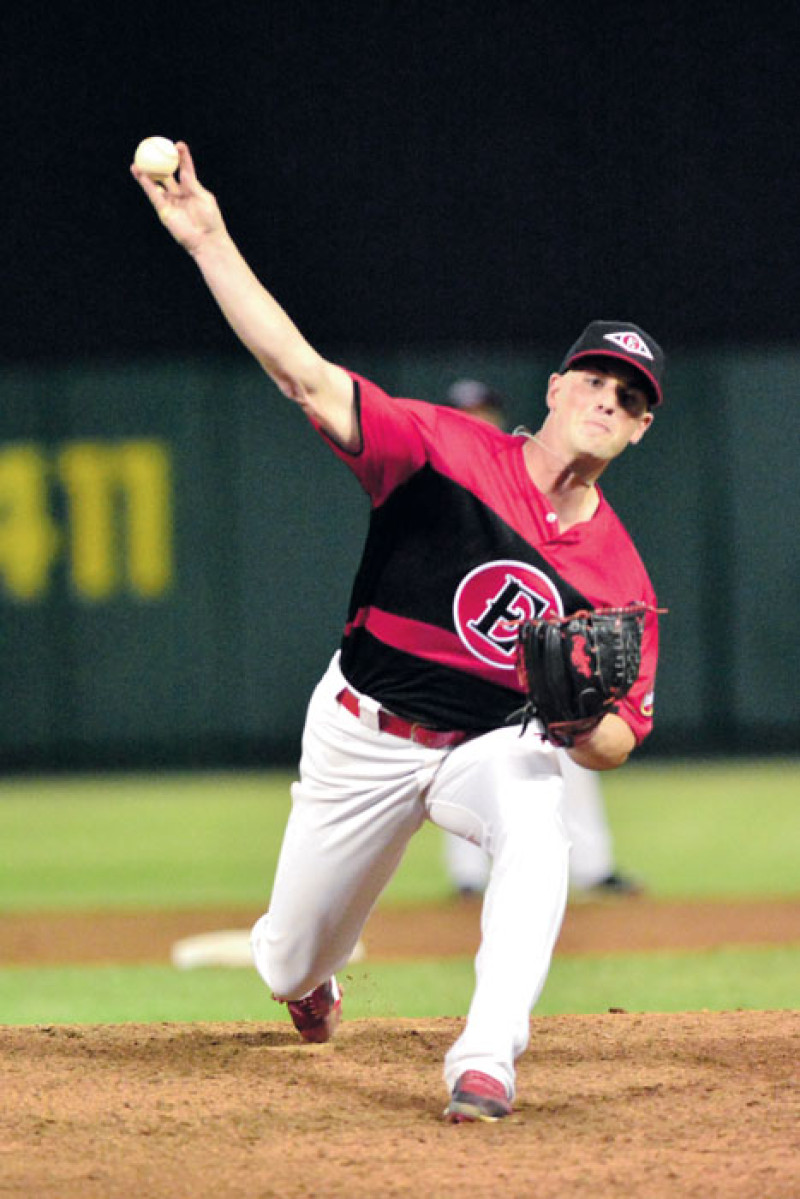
(591, 854)
(360, 797)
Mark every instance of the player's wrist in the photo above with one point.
(212, 246)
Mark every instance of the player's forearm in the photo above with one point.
(609, 746)
(256, 317)
(261, 324)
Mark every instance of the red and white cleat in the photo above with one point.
(477, 1096)
(316, 1016)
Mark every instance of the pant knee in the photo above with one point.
(287, 971)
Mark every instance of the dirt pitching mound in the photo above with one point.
(613, 1105)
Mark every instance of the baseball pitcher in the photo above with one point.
(500, 610)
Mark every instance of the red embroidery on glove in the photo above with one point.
(579, 656)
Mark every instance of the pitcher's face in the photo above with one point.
(597, 410)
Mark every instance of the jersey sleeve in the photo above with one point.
(600, 559)
(392, 441)
(636, 709)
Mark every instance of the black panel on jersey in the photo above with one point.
(422, 542)
(419, 690)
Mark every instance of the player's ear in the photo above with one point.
(644, 424)
(553, 387)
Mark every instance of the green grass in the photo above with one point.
(708, 829)
(722, 980)
(691, 830)
(172, 841)
(212, 839)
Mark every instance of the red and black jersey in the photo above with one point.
(461, 546)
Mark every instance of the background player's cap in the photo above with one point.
(468, 394)
(621, 339)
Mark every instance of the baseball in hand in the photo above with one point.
(157, 157)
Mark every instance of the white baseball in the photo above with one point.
(157, 157)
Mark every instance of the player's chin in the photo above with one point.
(600, 447)
(601, 443)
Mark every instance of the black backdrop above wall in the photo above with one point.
(406, 173)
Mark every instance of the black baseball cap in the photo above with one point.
(623, 340)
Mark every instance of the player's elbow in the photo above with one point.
(592, 759)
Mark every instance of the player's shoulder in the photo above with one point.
(442, 416)
(372, 394)
(612, 521)
(426, 410)
(441, 423)
(619, 543)
(466, 442)
(450, 440)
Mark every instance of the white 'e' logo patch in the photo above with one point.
(493, 599)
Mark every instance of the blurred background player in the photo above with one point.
(592, 869)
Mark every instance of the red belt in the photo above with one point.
(398, 727)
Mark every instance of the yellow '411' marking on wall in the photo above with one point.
(117, 530)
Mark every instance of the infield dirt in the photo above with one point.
(618, 1104)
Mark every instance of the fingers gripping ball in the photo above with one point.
(157, 157)
(573, 669)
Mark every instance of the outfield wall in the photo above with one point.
(176, 549)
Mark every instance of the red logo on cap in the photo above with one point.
(632, 343)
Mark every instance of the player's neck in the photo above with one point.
(568, 485)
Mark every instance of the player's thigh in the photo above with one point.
(357, 801)
(499, 785)
(345, 837)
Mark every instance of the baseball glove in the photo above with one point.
(573, 668)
